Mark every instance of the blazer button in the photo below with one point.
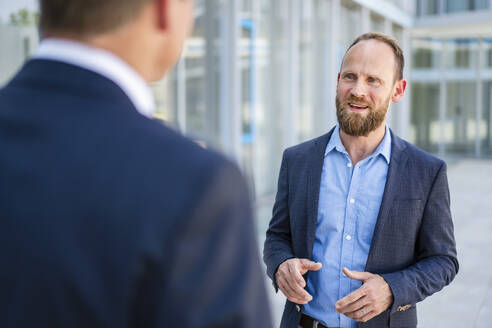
(298, 308)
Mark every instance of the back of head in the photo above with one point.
(147, 34)
(86, 18)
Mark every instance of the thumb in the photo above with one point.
(361, 276)
(310, 265)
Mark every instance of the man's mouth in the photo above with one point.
(355, 107)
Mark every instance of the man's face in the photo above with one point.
(366, 85)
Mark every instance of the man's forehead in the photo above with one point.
(371, 54)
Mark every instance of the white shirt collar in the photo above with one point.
(102, 62)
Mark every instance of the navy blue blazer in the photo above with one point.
(110, 219)
(413, 246)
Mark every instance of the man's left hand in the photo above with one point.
(372, 298)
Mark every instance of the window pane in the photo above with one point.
(460, 129)
(314, 51)
(487, 48)
(462, 53)
(424, 128)
(377, 23)
(486, 123)
(453, 6)
(426, 53)
(429, 7)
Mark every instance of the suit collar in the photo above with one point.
(396, 175)
(65, 79)
(383, 149)
(315, 166)
(103, 63)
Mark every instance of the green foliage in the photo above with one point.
(24, 17)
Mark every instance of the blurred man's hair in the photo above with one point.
(87, 17)
(389, 40)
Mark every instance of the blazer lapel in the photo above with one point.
(315, 166)
(393, 181)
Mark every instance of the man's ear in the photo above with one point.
(162, 8)
(399, 90)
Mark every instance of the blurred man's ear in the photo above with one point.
(162, 13)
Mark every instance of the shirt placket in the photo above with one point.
(348, 238)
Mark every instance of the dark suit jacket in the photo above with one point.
(413, 245)
(110, 219)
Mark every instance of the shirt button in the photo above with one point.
(298, 308)
(348, 237)
(349, 164)
(352, 200)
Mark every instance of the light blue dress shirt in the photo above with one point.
(349, 201)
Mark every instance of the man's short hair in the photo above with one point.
(87, 17)
(389, 40)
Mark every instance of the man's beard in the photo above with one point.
(360, 124)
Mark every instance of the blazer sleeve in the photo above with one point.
(436, 262)
(278, 242)
(215, 277)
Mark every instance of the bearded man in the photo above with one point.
(361, 228)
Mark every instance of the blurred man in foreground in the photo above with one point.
(108, 218)
(361, 228)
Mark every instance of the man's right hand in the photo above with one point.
(290, 281)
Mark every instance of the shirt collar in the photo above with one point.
(104, 63)
(384, 147)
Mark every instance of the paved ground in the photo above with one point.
(467, 302)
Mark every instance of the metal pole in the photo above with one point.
(230, 83)
(334, 60)
(442, 100)
(479, 97)
(293, 75)
(181, 94)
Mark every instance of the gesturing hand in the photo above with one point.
(372, 298)
(290, 281)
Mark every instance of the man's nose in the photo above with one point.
(359, 90)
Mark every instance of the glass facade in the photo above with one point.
(453, 6)
(460, 125)
(462, 54)
(424, 123)
(313, 84)
(426, 54)
(450, 95)
(486, 131)
(436, 7)
(427, 7)
(377, 23)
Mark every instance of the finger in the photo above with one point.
(361, 276)
(298, 289)
(362, 317)
(362, 302)
(350, 298)
(293, 294)
(310, 265)
(288, 293)
(296, 275)
(368, 316)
